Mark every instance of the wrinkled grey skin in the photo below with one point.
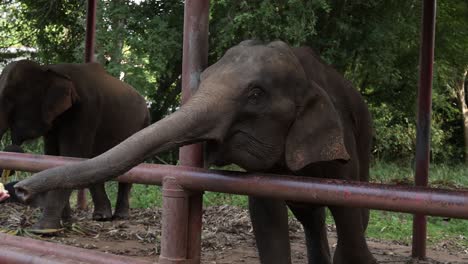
(267, 108)
(81, 111)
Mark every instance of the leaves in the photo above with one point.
(373, 43)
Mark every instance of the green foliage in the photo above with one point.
(33, 146)
(395, 140)
(233, 21)
(56, 28)
(440, 175)
(373, 43)
(142, 45)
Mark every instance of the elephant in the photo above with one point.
(269, 108)
(80, 111)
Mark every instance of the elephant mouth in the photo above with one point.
(240, 148)
(214, 154)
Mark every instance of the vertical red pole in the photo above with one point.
(88, 57)
(424, 119)
(90, 31)
(195, 59)
(174, 223)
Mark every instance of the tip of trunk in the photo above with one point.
(23, 194)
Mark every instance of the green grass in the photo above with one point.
(398, 227)
(440, 175)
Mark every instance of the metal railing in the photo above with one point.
(180, 181)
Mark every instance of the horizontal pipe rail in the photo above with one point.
(16, 255)
(16, 249)
(407, 199)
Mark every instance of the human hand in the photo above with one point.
(3, 193)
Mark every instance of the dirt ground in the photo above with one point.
(227, 237)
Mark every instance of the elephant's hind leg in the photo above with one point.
(102, 205)
(351, 247)
(66, 213)
(122, 206)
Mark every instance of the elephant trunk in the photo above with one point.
(192, 123)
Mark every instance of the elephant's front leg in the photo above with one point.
(53, 205)
(270, 224)
(312, 218)
(102, 205)
(122, 206)
(352, 246)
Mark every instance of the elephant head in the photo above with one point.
(255, 107)
(31, 98)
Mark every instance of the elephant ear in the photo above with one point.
(317, 133)
(60, 95)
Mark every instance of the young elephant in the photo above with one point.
(268, 108)
(81, 111)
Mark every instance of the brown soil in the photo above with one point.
(227, 237)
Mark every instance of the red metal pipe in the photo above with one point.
(408, 199)
(15, 255)
(90, 31)
(174, 231)
(47, 252)
(194, 60)
(88, 57)
(424, 119)
(195, 227)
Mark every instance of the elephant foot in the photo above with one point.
(121, 215)
(47, 226)
(355, 258)
(102, 215)
(66, 217)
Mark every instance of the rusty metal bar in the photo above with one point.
(194, 60)
(88, 57)
(16, 249)
(16, 255)
(90, 31)
(195, 227)
(423, 137)
(407, 199)
(174, 225)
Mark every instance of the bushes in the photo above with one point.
(392, 140)
(395, 137)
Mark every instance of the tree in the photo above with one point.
(373, 43)
(452, 61)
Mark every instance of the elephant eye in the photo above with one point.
(255, 94)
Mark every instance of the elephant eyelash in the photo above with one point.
(255, 94)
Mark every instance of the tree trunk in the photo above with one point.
(462, 102)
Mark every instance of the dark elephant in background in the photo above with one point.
(267, 108)
(81, 111)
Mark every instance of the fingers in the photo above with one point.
(4, 195)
